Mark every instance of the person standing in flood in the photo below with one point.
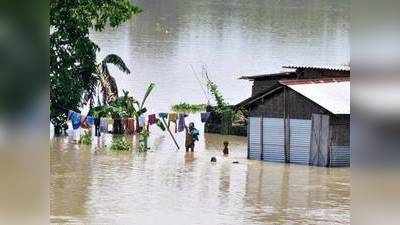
(191, 136)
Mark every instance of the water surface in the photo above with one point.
(232, 38)
(92, 185)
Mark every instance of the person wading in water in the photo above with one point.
(191, 136)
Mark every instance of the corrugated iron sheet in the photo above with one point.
(255, 138)
(273, 140)
(340, 156)
(320, 67)
(300, 134)
(334, 95)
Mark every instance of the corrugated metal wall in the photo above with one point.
(300, 133)
(266, 139)
(273, 140)
(255, 138)
(339, 156)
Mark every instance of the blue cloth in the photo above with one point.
(90, 120)
(195, 134)
(163, 115)
(69, 114)
(181, 122)
(76, 120)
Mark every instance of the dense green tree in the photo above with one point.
(72, 54)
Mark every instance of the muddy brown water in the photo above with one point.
(232, 38)
(94, 185)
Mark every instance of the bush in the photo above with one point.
(85, 139)
(120, 143)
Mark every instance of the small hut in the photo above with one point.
(302, 116)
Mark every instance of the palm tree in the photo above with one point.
(104, 82)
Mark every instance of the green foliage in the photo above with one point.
(143, 140)
(223, 110)
(124, 106)
(219, 99)
(85, 139)
(120, 143)
(73, 65)
(188, 108)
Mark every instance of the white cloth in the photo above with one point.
(103, 125)
(142, 121)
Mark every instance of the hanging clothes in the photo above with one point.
(129, 125)
(172, 117)
(110, 121)
(69, 114)
(152, 119)
(97, 127)
(163, 115)
(142, 121)
(118, 127)
(205, 117)
(103, 125)
(90, 121)
(76, 120)
(181, 122)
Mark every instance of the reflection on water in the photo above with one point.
(92, 185)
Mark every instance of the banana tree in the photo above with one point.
(135, 108)
(127, 106)
(104, 82)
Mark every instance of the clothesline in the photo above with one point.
(102, 122)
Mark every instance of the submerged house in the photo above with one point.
(300, 116)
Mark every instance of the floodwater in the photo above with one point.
(231, 38)
(93, 185)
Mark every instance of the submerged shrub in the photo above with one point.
(85, 139)
(143, 140)
(120, 143)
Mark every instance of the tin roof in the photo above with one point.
(331, 94)
(292, 71)
(325, 67)
(271, 75)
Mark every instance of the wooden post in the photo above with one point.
(262, 138)
(172, 136)
(286, 127)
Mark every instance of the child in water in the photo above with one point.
(191, 136)
(226, 150)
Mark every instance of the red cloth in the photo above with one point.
(129, 125)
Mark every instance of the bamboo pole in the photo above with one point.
(172, 136)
